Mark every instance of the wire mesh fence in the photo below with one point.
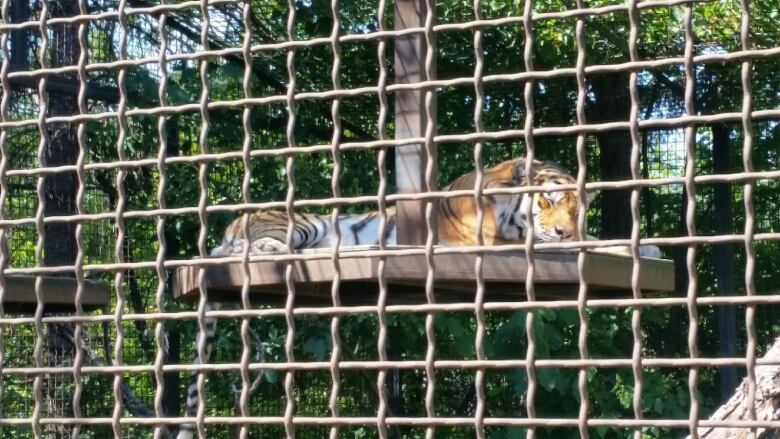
(132, 132)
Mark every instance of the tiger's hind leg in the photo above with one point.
(650, 251)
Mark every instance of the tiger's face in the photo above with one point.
(554, 212)
(554, 216)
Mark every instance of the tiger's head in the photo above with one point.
(554, 212)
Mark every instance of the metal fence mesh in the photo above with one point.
(132, 131)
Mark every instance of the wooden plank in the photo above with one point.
(59, 294)
(410, 160)
(556, 277)
(66, 85)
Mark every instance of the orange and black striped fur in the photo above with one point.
(554, 216)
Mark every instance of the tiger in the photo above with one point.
(504, 222)
(554, 219)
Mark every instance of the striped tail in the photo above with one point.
(187, 431)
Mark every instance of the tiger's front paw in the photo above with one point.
(649, 251)
(228, 248)
(268, 245)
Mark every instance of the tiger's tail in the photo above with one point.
(187, 431)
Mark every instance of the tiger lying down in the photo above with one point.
(554, 218)
(505, 222)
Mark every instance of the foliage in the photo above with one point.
(610, 390)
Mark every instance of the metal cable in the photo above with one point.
(401, 364)
(43, 108)
(381, 340)
(410, 422)
(159, 265)
(636, 314)
(528, 129)
(751, 176)
(747, 195)
(335, 354)
(430, 221)
(5, 253)
(81, 143)
(690, 222)
(479, 297)
(289, 353)
(420, 308)
(582, 226)
(203, 347)
(246, 148)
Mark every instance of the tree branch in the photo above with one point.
(278, 85)
(677, 89)
(617, 42)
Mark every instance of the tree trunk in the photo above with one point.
(20, 46)
(724, 258)
(767, 403)
(62, 149)
(394, 385)
(611, 103)
(59, 245)
(678, 315)
(171, 398)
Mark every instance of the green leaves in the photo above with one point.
(317, 346)
(611, 390)
(509, 433)
(456, 329)
(519, 379)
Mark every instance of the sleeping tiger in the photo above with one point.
(554, 216)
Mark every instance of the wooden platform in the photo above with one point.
(556, 277)
(59, 294)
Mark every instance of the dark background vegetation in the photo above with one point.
(720, 269)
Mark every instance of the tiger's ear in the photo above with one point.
(518, 172)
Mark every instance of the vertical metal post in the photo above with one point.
(410, 121)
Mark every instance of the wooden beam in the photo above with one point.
(555, 277)
(65, 85)
(59, 294)
(410, 161)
